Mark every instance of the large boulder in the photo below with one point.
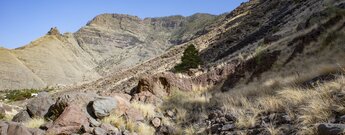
(330, 129)
(71, 98)
(39, 106)
(22, 116)
(103, 106)
(70, 121)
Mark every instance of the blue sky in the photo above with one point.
(23, 21)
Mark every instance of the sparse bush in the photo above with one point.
(190, 59)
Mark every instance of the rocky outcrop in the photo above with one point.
(53, 31)
(152, 89)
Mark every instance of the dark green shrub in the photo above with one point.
(16, 95)
(2, 116)
(190, 59)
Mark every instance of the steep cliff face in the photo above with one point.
(117, 42)
(108, 44)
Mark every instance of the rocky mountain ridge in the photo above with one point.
(107, 44)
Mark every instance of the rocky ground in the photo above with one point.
(271, 67)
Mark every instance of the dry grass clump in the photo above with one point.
(34, 123)
(114, 120)
(270, 104)
(190, 130)
(132, 126)
(293, 96)
(147, 110)
(144, 129)
(307, 106)
(244, 110)
(188, 106)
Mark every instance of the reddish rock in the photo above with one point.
(147, 97)
(123, 105)
(17, 129)
(13, 128)
(109, 128)
(70, 121)
(134, 114)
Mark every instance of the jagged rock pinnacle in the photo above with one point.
(53, 31)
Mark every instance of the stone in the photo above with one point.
(228, 127)
(39, 106)
(156, 122)
(103, 106)
(22, 116)
(94, 122)
(99, 131)
(330, 129)
(70, 121)
(170, 113)
(230, 117)
(109, 128)
(47, 125)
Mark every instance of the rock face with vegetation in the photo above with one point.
(269, 67)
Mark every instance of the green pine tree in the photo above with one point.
(190, 59)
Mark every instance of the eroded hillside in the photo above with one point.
(108, 44)
(270, 67)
